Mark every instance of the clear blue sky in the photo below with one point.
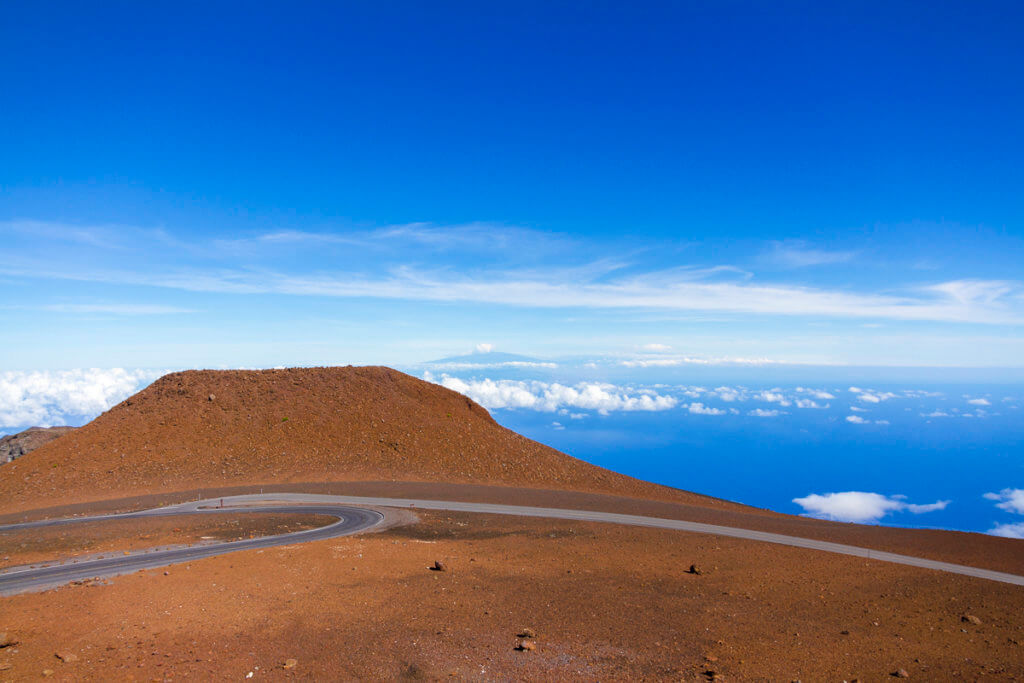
(233, 184)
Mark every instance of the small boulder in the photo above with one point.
(694, 569)
(900, 673)
(291, 663)
(971, 619)
(526, 645)
(527, 633)
(211, 398)
(6, 640)
(439, 566)
(66, 656)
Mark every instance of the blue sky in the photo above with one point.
(781, 238)
(197, 185)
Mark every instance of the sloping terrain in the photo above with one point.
(14, 446)
(214, 428)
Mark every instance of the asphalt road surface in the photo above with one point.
(350, 520)
(353, 518)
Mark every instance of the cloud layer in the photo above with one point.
(552, 396)
(60, 397)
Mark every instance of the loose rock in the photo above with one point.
(971, 619)
(901, 673)
(526, 646)
(694, 569)
(291, 663)
(527, 633)
(6, 640)
(66, 656)
(439, 566)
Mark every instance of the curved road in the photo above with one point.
(351, 520)
(355, 519)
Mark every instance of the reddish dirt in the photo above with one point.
(220, 428)
(32, 546)
(605, 602)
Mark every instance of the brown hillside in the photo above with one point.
(214, 428)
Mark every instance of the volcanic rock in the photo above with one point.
(16, 445)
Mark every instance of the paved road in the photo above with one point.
(350, 520)
(328, 504)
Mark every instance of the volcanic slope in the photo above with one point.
(224, 428)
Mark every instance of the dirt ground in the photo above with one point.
(604, 602)
(33, 546)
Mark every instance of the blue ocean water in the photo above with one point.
(769, 462)
(933, 449)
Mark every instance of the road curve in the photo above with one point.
(637, 520)
(353, 518)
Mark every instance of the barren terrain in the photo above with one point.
(602, 601)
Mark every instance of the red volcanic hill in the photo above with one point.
(222, 428)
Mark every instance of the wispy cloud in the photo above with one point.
(499, 275)
(799, 254)
(117, 309)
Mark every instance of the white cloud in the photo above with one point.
(484, 348)
(728, 394)
(1011, 500)
(808, 403)
(858, 409)
(47, 398)
(558, 425)
(1015, 530)
(936, 413)
(816, 393)
(552, 396)
(760, 412)
(656, 348)
(701, 409)
(979, 402)
(869, 398)
(772, 396)
(856, 419)
(881, 422)
(859, 506)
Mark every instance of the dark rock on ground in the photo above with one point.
(16, 445)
